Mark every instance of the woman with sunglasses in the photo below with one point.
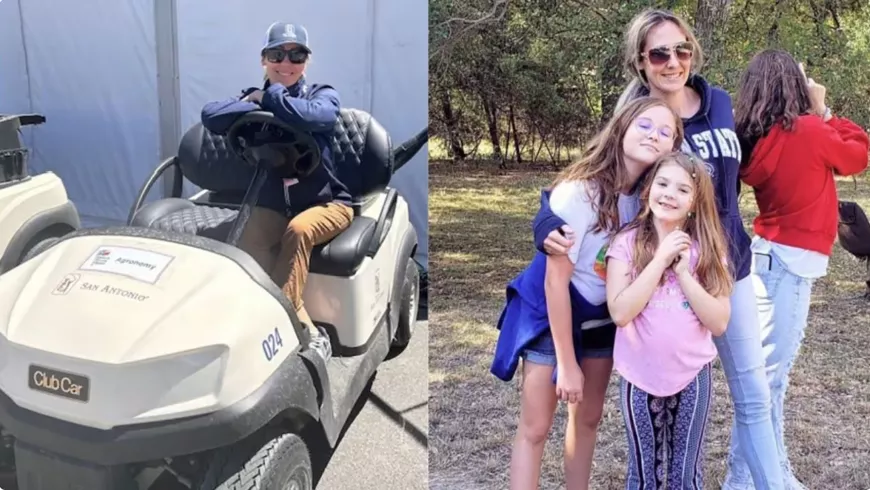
(663, 58)
(297, 214)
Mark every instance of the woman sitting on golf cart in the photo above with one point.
(298, 213)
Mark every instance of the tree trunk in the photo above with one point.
(820, 15)
(773, 32)
(456, 150)
(710, 20)
(492, 121)
(513, 123)
(507, 143)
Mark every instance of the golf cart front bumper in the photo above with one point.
(289, 390)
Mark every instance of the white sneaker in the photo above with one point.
(320, 343)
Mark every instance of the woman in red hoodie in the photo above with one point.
(792, 149)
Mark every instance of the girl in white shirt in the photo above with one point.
(556, 316)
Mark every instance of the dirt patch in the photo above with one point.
(480, 238)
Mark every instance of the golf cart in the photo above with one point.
(33, 209)
(132, 354)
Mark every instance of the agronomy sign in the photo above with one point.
(142, 265)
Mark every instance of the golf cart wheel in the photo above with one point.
(408, 305)
(279, 461)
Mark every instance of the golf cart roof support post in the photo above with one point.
(168, 84)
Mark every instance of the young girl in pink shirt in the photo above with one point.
(668, 289)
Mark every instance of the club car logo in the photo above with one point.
(58, 383)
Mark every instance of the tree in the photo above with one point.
(527, 79)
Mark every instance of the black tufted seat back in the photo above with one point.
(207, 161)
(362, 152)
(360, 147)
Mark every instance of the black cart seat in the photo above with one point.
(362, 152)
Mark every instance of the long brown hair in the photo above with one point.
(772, 90)
(603, 165)
(703, 225)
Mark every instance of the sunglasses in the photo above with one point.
(645, 126)
(295, 56)
(660, 55)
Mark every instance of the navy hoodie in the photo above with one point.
(314, 109)
(709, 134)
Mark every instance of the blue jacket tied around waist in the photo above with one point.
(524, 317)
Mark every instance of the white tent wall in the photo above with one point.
(401, 97)
(14, 92)
(92, 68)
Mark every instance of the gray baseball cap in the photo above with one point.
(282, 33)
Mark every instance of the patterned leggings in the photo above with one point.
(666, 435)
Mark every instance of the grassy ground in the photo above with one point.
(438, 151)
(480, 235)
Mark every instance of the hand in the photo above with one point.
(681, 266)
(255, 96)
(676, 242)
(817, 93)
(557, 244)
(569, 383)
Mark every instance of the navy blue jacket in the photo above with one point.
(709, 134)
(314, 109)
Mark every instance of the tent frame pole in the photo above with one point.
(168, 84)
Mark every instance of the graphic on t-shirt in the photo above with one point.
(669, 296)
(600, 266)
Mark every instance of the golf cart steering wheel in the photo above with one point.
(263, 140)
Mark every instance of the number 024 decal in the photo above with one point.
(272, 344)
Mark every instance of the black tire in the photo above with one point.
(409, 303)
(278, 461)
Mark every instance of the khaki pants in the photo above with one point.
(267, 229)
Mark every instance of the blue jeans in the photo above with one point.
(753, 455)
(783, 306)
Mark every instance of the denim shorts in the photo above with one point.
(598, 344)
